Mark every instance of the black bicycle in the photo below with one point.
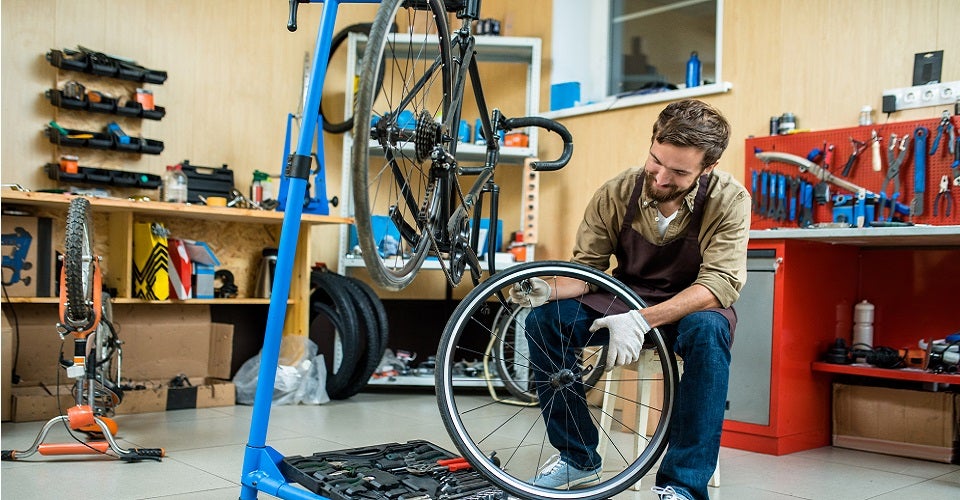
(405, 168)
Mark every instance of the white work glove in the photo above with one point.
(533, 292)
(627, 331)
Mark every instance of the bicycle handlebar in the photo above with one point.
(292, 19)
(553, 126)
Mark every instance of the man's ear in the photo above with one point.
(708, 170)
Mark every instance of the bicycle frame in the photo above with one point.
(261, 470)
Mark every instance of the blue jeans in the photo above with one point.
(702, 339)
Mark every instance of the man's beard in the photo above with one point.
(671, 194)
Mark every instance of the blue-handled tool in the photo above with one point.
(754, 177)
(764, 198)
(794, 194)
(772, 207)
(920, 135)
(945, 127)
(781, 212)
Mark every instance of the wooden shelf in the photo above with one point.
(906, 374)
(157, 208)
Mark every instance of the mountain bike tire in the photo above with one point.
(518, 437)
(78, 262)
(329, 298)
(369, 349)
(337, 343)
(394, 194)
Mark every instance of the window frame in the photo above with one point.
(595, 59)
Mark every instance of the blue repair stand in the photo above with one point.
(261, 470)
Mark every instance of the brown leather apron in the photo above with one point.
(656, 272)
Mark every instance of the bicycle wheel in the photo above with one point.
(511, 351)
(399, 117)
(517, 436)
(78, 264)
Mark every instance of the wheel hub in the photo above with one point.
(563, 378)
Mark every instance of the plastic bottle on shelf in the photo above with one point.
(863, 324)
(174, 185)
(693, 70)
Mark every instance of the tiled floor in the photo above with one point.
(205, 454)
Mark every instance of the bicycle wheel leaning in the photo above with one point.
(511, 350)
(516, 436)
(398, 115)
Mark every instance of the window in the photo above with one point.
(621, 49)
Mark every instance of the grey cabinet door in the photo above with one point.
(748, 399)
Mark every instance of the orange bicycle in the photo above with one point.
(85, 315)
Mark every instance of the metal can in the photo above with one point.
(774, 125)
(788, 123)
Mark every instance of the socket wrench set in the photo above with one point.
(415, 470)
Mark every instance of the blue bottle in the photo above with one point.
(693, 70)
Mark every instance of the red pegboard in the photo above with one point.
(862, 173)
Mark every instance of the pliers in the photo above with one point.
(945, 127)
(943, 194)
(894, 162)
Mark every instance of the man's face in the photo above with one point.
(672, 171)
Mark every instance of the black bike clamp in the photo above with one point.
(298, 167)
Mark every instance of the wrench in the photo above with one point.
(920, 135)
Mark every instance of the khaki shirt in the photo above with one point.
(723, 233)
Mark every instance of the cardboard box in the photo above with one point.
(916, 424)
(204, 263)
(29, 258)
(151, 260)
(169, 341)
(5, 364)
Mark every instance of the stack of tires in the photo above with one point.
(349, 325)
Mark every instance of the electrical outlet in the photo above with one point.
(921, 96)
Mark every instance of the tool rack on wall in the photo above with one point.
(98, 109)
(861, 173)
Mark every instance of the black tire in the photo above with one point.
(344, 343)
(381, 313)
(338, 345)
(519, 436)
(78, 264)
(330, 124)
(397, 186)
(368, 352)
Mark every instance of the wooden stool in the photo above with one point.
(646, 368)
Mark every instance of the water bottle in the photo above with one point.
(693, 70)
(174, 185)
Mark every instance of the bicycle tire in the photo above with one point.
(338, 345)
(383, 321)
(341, 126)
(518, 438)
(399, 117)
(507, 349)
(345, 348)
(368, 350)
(78, 263)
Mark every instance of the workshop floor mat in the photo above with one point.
(412, 470)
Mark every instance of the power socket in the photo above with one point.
(921, 96)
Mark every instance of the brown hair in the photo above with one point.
(693, 123)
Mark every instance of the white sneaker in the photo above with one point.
(668, 493)
(559, 475)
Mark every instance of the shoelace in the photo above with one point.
(553, 464)
(667, 493)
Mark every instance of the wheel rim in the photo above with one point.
(480, 427)
(394, 209)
